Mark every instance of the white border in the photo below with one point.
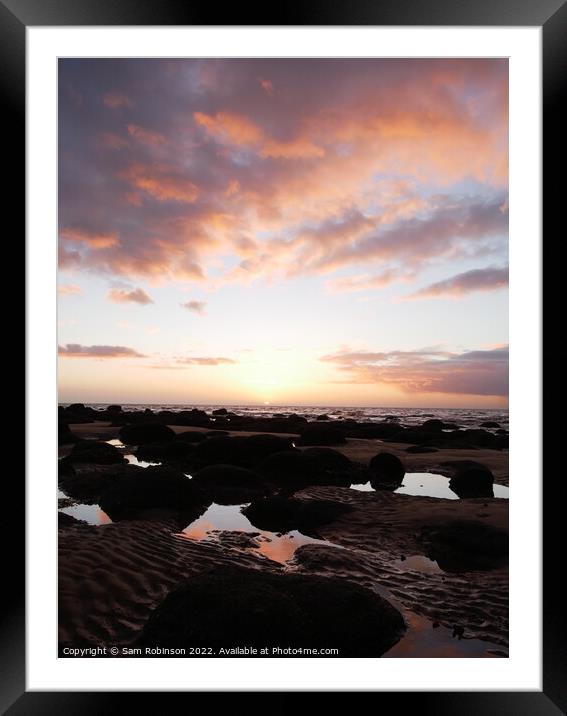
(522, 671)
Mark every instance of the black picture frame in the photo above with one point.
(550, 15)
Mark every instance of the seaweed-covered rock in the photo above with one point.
(232, 607)
(143, 433)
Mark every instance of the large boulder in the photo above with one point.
(466, 545)
(191, 436)
(95, 452)
(164, 451)
(474, 481)
(153, 488)
(295, 468)
(321, 434)
(64, 434)
(89, 484)
(278, 514)
(386, 470)
(144, 433)
(235, 607)
(229, 484)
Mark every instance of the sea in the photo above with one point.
(463, 417)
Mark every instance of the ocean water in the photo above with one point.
(463, 417)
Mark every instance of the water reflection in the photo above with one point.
(429, 484)
(92, 514)
(229, 518)
(132, 459)
(423, 640)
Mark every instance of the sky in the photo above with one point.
(325, 232)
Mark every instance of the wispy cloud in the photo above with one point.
(486, 279)
(137, 295)
(195, 306)
(117, 100)
(75, 350)
(69, 290)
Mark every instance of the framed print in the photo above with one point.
(284, 322)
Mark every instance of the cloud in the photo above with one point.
(403, 163)
(75, 350)
(137, 295)
(195, 306)
(206, 361)
(486, 279)
(146, 136)
(69, 290)
(365, 282)
(117, 100)
(267, 86)
(93, 240)
(162, 183)
(479, 372)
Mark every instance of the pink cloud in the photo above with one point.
(93, 240)
(75, 350)
(195, 306)
(482, 372)
(146, 136)
(117, 100)
(162, 183)
(137, 295)
(486, 279)
(69, 290)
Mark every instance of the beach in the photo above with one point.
(222, 504)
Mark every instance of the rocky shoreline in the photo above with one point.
(378, 561)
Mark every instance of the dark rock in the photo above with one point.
(432, 425)
(379, 431)
(89, 484)
(64, 434)
(114, 409)
(314, 434)
(473, 482)
(293, 469)
(164, 452)
(490, 424)
(230, 485)
(95, 452)
(153, 487)
(466, 545)
(324, 458)
(65, 520)
(258, 447)
(220, 411)
(322, 417)
(278, 514)
(143, 433)
(232, 607)
(191, 436)
(223, 450)
(386, 469)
